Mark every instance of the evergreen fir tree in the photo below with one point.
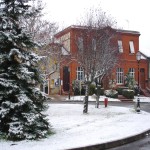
(21, 102)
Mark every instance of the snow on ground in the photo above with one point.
(74, 129)
(142, 99)
(92, 98)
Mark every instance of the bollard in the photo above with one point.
(138, 104)
(106, 102)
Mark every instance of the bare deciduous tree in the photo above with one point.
(97, 49)
(54, 55)
(41, 30)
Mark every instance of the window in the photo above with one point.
(131, 46)
(80, 44)
(149, 70)
(120, 46)
(132, 72)
(120, 76)
(80, 73)
(94, 44)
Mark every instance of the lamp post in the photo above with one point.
(138, 58)
(69, 83)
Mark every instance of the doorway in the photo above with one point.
(142, 78)
(66, 78)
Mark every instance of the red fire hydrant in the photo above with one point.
(106, 102)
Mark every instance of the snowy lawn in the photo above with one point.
(74, 129)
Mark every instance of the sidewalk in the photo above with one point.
(91, 98)
(57, 97)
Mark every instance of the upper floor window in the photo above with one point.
(149, 70)
(132, 72)
(120, 75)
(120, 46)
(80, 73)
(131, 46)
(80, 44)
(94, 44)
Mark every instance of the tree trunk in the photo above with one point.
(97, 93)
(97, 96)
(85, 102)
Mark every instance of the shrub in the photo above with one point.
(101, 91)
(130, 81)
(83, 91)
(76, 91)
(92, 89)
(128, 93)
(120, 89)
(111, 93)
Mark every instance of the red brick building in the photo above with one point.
(128, 46)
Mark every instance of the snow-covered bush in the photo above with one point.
(128, 93)
(78, 87)
(120, 89)
(130, 81)
(111, 93)
(112, 84)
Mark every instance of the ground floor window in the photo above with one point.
(120, 75)
(132, 72)
(80, 73)
(44, 87)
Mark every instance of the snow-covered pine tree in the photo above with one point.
(21, 102)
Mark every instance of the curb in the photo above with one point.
(113, 144)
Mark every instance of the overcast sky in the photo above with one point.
(129, 14)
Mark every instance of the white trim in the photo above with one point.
(132, 72)
(94, 44)
(119, 76)
(80, 73)
(131, 45)
(120, 46)
(80, 44)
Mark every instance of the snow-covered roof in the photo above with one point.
(84, 27)
(146, 53)
(128, 31)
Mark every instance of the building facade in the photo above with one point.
(128, 46)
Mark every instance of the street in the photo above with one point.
(144, 143)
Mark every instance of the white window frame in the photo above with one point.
(132, 72)
(149, 70)
(120, 76)
(44, 86)
(120, 46)
(80, 44)
(131, 45)
(94, 44)
(80, 73)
